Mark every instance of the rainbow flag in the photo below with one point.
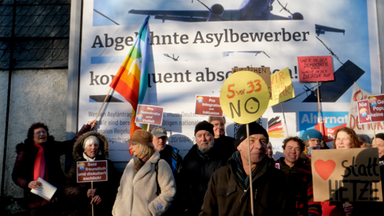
(131, 81)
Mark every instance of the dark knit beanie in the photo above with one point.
(380, 136)
(204, 125)
(254, 128)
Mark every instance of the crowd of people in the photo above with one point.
(220, 175)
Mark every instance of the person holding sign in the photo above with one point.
(39, 156)
(300, 171)
(147, 186)
(345, 138)
(228, 190)
(91, 147)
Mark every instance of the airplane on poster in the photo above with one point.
(249, 10)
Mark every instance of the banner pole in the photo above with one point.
(318, 107)
(92, 198)
(285, 122)
(346, 203)
(148, 126)
(374, 133)
(103, 103)
(250, 170)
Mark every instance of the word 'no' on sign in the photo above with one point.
(244, 97)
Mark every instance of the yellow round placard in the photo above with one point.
(244, 97)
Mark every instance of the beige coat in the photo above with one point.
(136, 195)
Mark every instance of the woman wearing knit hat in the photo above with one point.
(313, 139)
(91, 146)
(147, 186)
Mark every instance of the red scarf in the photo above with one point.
(39, 168)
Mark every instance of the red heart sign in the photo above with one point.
(325, 168)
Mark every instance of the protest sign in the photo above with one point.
(315, 68)
(376, 107)
(208, 105)
(244, 97)
(147, 114)
(363, 112)
(346, 175)
(281, 87)
(353, 119)
(92, 171)
(264, 72)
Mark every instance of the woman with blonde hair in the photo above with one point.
(313, 140)
(147, 186)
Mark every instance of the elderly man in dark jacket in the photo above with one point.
(228, 191)
(199, 164)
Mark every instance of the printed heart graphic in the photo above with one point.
(325, 168)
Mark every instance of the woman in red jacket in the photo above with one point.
(39, 156)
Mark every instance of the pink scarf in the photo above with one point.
(39, 168)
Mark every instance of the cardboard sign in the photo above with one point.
(264, 72)
(315, 68)
(147, 114)
(244, 97)
(376, 107)
(282, 88)
(92, 171)
(346, 175)
(363, 111)
(208, 105)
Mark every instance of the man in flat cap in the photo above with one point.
(228, 191)
(199, 164)
(167, 152)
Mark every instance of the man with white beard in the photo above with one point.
(199, 164)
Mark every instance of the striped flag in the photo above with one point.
(131, 81)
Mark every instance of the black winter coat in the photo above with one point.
(272, 192)
(194, 176)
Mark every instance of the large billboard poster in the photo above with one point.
(195, 45)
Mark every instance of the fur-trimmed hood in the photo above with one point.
(78, 147)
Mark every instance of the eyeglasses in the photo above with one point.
(43, 132)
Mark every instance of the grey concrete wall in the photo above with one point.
(36, 96)
(3, 110)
